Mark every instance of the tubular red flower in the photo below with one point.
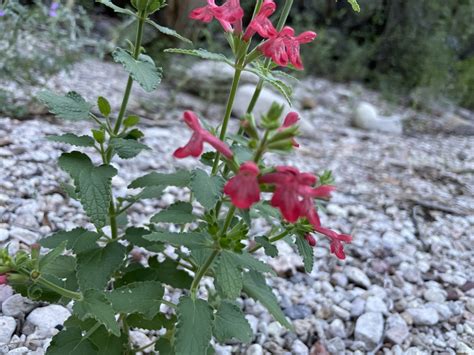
(337, 240)
(200, 136)
(310, 239)
(229, 15)
(284, 47)
(260, 23)
(3, 279)
(243, 188)
(290, 120)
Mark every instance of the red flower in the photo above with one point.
(228, 14)
(195, 145)
(3, 279)
(290, 120)
(310, 239)
(284, 47)
(337, 240)
(243, 188)
(261, 24)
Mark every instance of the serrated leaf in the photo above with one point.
(180, 178)
(230, 322)
(266, 75)
(95, 305)
(72, 139)
(127, 148)
(107, 343)
(52, 255)
(247, 261)
(138, 297)
(104, 106)
(164, 347)
(191, 240)
(207, 189)
(95, 192)
(116, 8)
(168, 31)
(194, 328)
(306, 251)
(135, 236)
(201, 53)
(270, 249)
(74, 163)
(71, 342)
(355, 5)
(156, 323)
(143, 70)
(179, 213)
(256, 287)
(228, 276)
(94, 267)
(78, 240)
(169, 273)
(70, 107)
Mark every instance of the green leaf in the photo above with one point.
(127, 148)
(78, 240)
(74, 163)
(116, 8)
(168, 273)
(107, 343)
(70, 107)
(266, 75)
(71, 342)
(201, 53)
(207, 189)
(104, 106)
(355, 5)
(95, 267)
(63, 268)
(228, 276)
(270, 249)
(138, 297)
(179, 212)
(52, 255)
(142, 70)
(256, 287)
(135, 236)
(181, 178)
(194, 327)
(164, 347)
(191, 240)
(306, 251)
(131, 121)
(230, 322)
(72, 139)
(156, 323)
(247, 261)
(168, 31)
(95, 305)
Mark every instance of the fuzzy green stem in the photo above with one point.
(76, 296)
(271, 240)
(128, 88)
(202, 271)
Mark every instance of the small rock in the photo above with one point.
(7, 328)
(463, 349)
(336, 346)
(366, 117)
(339, 279)
(369, 329)
(5, 292)
(299, 348)
(358, 306)
(470, 305)
(397, 329)
(337, 210)
(434, 295)
(337, 328)
(254, 349)
(17, 305)
(4, 234)
(275, 329)
(375, 304)
(341, 312)
(23, 235)
(423, 315)
(415, 351)
(22, 350)
(253, 321)
(298, 312)
(139, 339)
(46, 319)
(357, 276)
(221, 349)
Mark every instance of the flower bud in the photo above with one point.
(99, 135)
(310, 239)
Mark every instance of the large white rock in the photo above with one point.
(366, 117)
(265, 101)
(46, 319)
(369, 329)
(7, 328)
(17, 305)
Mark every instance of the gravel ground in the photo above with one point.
(407, 284)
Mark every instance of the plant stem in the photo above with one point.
(76, 296)
(128, 88)
(271, 240)
(228, 112)
(202, 271)
(169, 304)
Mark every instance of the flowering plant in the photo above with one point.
(114, 287)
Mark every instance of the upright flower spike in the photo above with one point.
(229, 14)
(261, 23)
(243, 188)
(284, 47)
(200, 136)
(290, 120)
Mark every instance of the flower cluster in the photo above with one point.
(283, 47)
